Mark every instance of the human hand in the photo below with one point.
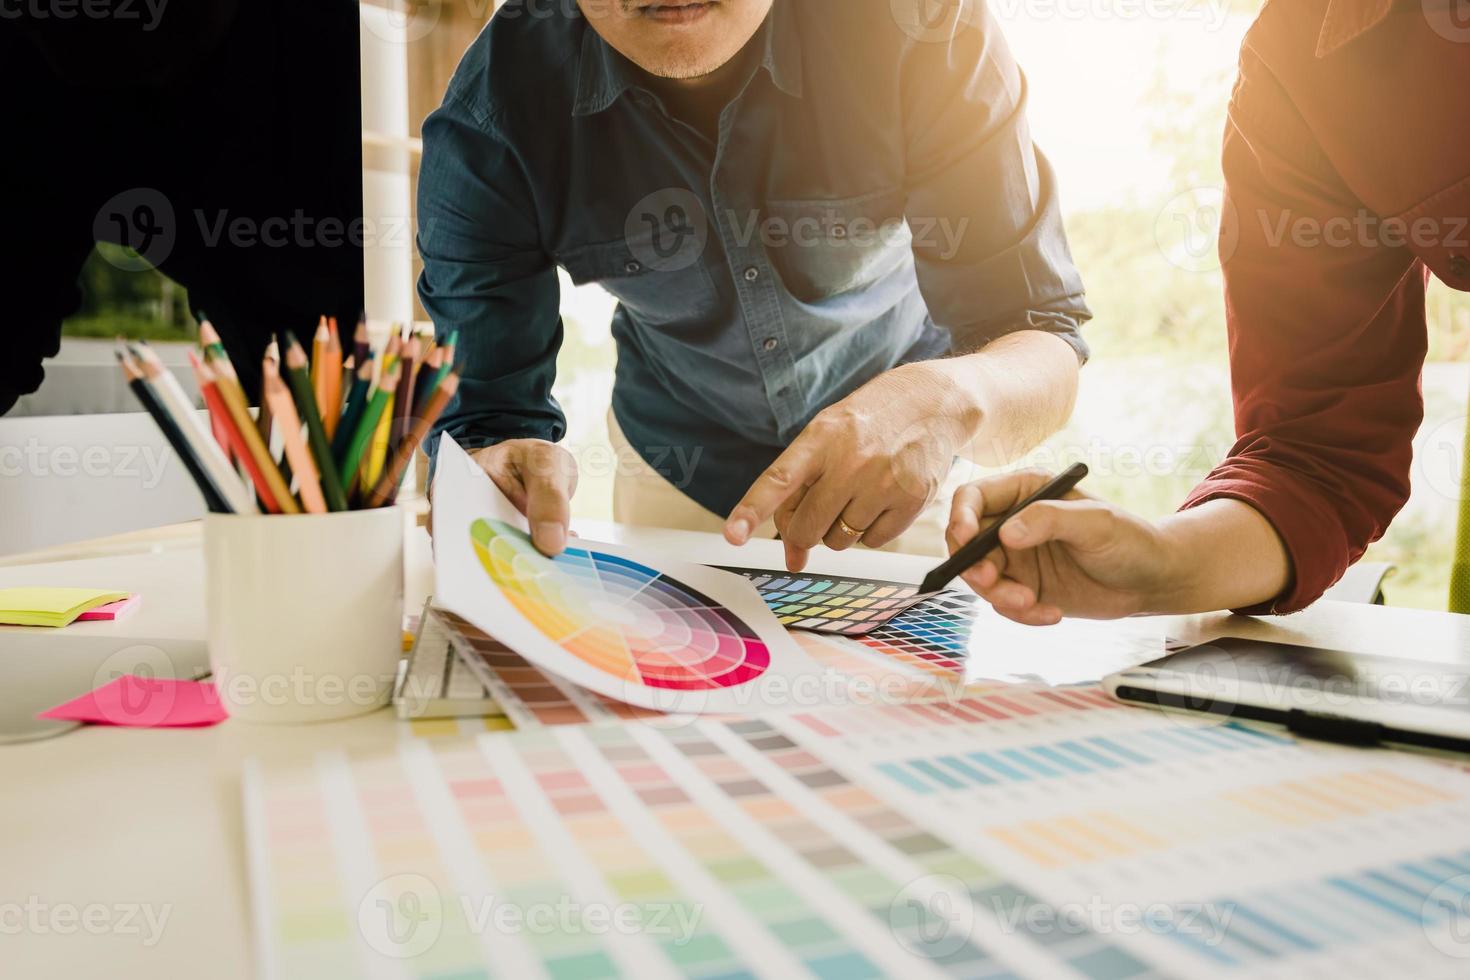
(864, 468)
(539, 478)
(1072, 557)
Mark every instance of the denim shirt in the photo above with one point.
(874, 198)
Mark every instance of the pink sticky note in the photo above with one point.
(113, 610)
(145, 702)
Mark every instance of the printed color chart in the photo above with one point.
(933, 637)
(719, 850)
(530, 696)
(1027, 833)
(619, 616)
(831, 604)
(1078, 796)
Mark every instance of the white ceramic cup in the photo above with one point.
(305, 612)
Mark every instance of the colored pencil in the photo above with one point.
(319, 343)
(368, 424)
(390, 355)
(349, 373)
(263, 417)
(361, 348)
(212, 454)
(209, 338)
(301, 391)
(208, 387)
(275, 393)
(447, 364)
(428, 378)
(377, 453)
(331, 405)
(227, 384)
(356, 402)
(386, 489)
(221, 435)
(172, 431)
(403, 397)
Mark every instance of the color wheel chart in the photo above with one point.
(621, 617)
(1077, 796)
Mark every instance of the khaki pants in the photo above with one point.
(641, 495)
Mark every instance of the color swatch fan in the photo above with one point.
(627, 624)
(620, 616)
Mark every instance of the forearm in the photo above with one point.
(1222, 554)
(1003, 400)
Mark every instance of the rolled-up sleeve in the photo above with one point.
(989, 246)
(1327, 338)
(487, 277)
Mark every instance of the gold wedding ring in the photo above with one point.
(849, 530)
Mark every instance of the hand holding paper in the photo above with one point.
(623, 622)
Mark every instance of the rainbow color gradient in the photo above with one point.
(619, 616)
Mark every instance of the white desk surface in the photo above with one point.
(121, 817)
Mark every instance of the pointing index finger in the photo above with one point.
(790, 474)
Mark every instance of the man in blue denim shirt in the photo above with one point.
(838, 257)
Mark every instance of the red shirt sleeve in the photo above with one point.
(1327, 341)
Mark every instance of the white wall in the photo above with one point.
(68, 478)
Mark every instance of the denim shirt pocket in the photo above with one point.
(660, 282)
(824, 248)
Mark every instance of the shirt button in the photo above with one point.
(839, 231)
(752, 274)
(771, 343)
(633, 267)
(1460, 266)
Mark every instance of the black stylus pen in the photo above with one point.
(986, 541)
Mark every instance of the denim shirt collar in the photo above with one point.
(603, 74)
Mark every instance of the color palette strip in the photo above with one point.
(529, 696)
(915, 922)
(1266, 809)
(870, 677)
(1016, 704)
(724, 850)
(934, 636)
(956, 772)
(807, 936)
(781, 846)
(831, 603)
(1422, 903)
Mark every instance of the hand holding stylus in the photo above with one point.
(1074, 556)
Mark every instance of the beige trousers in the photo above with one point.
(641, 495)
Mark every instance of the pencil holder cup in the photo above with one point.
(305, 612)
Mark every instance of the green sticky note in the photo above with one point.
(38, 606)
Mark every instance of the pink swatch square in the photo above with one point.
(113, 610)
(145, 702)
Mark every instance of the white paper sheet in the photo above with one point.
(672, 635)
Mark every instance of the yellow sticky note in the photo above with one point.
(39, 606)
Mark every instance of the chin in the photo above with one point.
(677, 46)
(690, 61)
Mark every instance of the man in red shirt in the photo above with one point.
(1347, 172)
